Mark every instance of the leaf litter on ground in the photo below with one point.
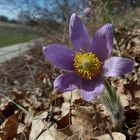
(28, 81)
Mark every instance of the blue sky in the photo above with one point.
(11, 14)
(12, 11)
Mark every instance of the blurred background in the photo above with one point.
(24, 20)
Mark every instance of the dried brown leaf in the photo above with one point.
(114, 136)
(64, 122)
(10, 127)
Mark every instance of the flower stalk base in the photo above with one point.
(113, 105)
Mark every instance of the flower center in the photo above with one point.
(87, 65)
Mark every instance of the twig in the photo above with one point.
(30, 73)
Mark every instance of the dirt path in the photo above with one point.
(12, 51)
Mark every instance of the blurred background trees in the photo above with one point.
(58, 10)
(46, 16)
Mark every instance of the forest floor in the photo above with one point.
(31, 109)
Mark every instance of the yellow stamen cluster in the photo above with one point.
(87, 65)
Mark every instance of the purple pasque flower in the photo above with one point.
(87, 62)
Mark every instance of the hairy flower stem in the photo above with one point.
(113, 105)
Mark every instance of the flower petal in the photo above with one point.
(102, 43)
(91, 88)
(60, 56)
(78, 34)
(117, 66)
(67, 82)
